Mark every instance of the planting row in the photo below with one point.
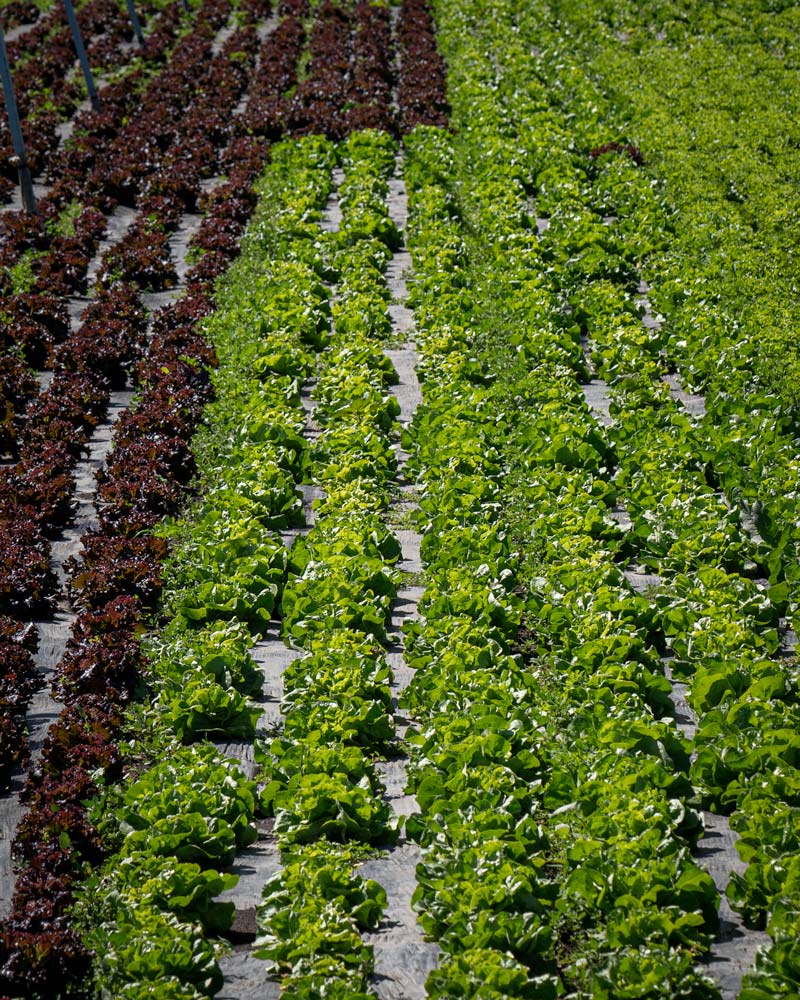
(115, 584)
(42, 62)
(579, 277)
(105, 352)
(53, 431)
(556, 814)
(323, 785)
(228, 578)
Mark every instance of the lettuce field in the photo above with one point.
(399, 485)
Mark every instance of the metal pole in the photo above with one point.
(25, 179)
(79, 48)
(137, 28)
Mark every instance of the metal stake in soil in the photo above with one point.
(137, 28)
(81, 51)
(24, 171)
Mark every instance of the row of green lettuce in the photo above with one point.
(706, 95)
(152, 915)
(556, 813)
(322, 783)
(184, 811)
(534, 300)
(710, 96)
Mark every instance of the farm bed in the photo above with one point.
(432, 631)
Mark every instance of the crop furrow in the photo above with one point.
(724, 595)
(589, 695)
(403, 958)
(244, 975)
(33, 940)
(54, 634)
(733, 950)
(320, 781)
(46, 131)
(735, 945)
